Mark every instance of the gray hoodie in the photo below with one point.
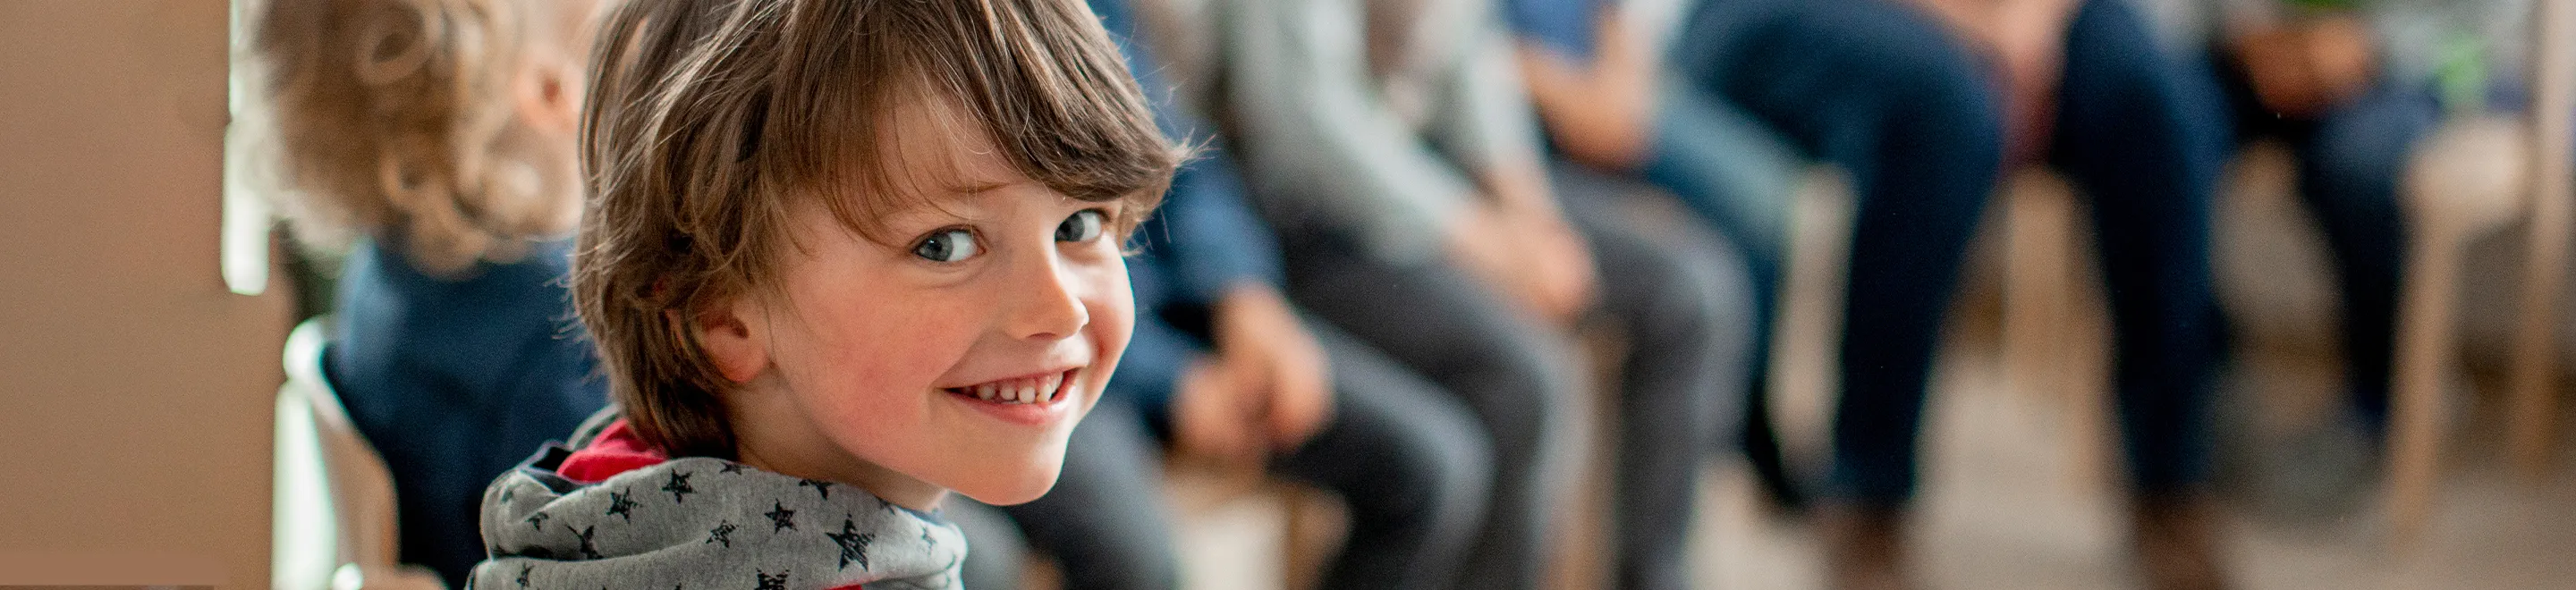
(698, 523)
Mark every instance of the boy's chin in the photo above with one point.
(1029, 486)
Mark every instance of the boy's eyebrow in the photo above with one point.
(976, 188)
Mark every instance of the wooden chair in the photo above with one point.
(2464, 182)
(334, 500)
(2554, 83)
(2467, 180)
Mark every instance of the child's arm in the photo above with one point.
(1599, 111)
(1485, 118)
(1315, 125)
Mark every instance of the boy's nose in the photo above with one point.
(1049, 305)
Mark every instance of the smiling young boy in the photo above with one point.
(840, 258)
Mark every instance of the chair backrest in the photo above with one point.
(334, 496)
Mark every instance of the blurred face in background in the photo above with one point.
(546, 96)
(548, 87)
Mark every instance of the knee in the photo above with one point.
(1955, 112)
(1942, 111)
(1523, 385)
(1698, 310)
(1530, 407)
(1437, 475)
(2115, 67)
(1928, 68)
(1697, 299)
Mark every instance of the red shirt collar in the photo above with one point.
(616, 450)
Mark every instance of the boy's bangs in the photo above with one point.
(1036, 81)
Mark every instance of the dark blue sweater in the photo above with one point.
(455, 380)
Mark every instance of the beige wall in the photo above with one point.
(135, 390)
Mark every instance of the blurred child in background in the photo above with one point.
(435, 139)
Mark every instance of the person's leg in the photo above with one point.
(1410, 462)
(1679, 297)
(2349, 176)
(2143, 141)
(1886, 95)
(1739, 177)
(1518, 377)
(1104, 521)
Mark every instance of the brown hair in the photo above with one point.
(707, 119)
(395, 118)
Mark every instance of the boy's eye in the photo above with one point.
(947, 245)
(1083, 226)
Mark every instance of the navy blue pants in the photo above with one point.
(2351, 158)
(1888, 96)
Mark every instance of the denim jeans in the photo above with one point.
(1886, 95)
(2351, 158)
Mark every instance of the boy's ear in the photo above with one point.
(737, 348)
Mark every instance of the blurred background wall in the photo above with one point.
(135, 388)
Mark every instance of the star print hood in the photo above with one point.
(616, 514)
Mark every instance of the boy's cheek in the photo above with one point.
(1119, 305)
(1113, 324)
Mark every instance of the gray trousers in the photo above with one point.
(1407, 458)
(1679, 297)
(1455, 436)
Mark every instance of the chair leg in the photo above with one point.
(2533, 373)
(2424, 338)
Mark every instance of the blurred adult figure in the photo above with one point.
(1921, 103)
(1392, 144)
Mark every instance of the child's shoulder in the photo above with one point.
(614, 512)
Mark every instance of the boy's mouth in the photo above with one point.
(1033, 389)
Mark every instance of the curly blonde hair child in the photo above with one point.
(433, 141)
(436, 123)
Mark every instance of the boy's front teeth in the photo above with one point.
(1027, 391)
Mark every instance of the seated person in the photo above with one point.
(2352, 87)
(1902, 97)
(439, 135)
(1391, 144)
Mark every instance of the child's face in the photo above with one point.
(899, 365)
(546, 89)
